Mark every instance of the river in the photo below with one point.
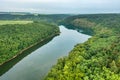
(37, 64)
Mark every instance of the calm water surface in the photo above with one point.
(37, 64)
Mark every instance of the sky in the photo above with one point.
(61, 6)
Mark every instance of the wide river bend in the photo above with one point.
(37, 64)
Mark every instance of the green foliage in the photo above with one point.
(14, 38)
(4, 22)
(96, 59)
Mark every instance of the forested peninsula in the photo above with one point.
(19, 36)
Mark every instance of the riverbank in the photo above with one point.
(8, 65)
(29, 48)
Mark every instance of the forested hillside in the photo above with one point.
(17, 37)
(96, 59)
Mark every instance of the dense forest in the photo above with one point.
(16, 37)
(96, 59)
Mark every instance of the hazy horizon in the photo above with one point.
(61, 7)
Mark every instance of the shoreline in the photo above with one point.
(19, 53)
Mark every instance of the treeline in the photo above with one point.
(16, 37)
(96, 59)
(52, 18)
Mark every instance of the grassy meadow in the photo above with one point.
(4, 22)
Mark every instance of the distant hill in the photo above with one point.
(32, 16)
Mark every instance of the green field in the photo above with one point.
(4, 22)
